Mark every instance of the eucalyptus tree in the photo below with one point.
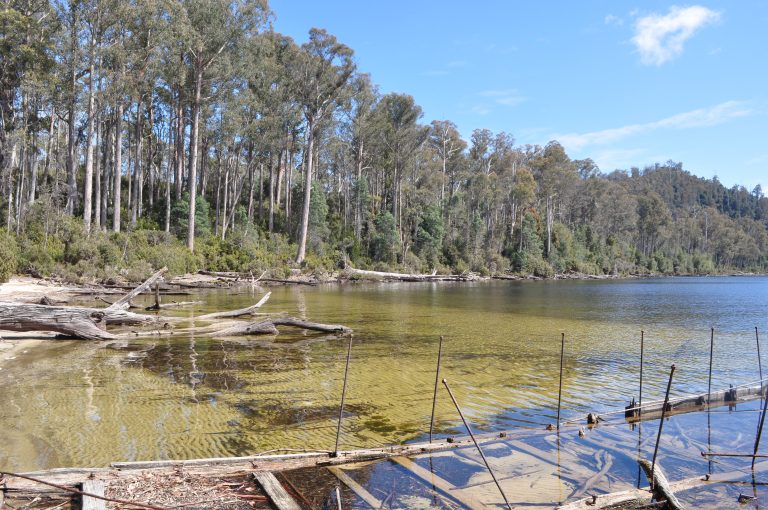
(401, 136)
(320, 73)
(446, 141)
(211, 31)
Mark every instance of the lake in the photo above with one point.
(74, 403)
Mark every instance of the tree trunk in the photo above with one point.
(179, 140)
(193, 146)
(304, 226)
(88, 184)
(118, 167)
(137, 167)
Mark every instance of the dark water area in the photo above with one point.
(83, 403)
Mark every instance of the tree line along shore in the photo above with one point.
(137, 135)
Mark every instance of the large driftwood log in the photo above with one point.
(269, 327)
(86, 323)
(405, 277)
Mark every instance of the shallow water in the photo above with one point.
(82, 403)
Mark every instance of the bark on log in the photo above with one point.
(661, 489)
(124, 302)
(236, 313)
(86, 323)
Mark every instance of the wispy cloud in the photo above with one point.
(435, 72)
(506, 97)
(701, 117)
(613, 20)
(659, 38)
(480, 110)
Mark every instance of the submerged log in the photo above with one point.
(660, 485)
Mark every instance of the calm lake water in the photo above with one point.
(69, 403)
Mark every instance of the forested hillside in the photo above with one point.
(188, 133)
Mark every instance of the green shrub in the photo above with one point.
(9, 255)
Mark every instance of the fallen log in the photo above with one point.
(85, 323)
(124, 302)
(406, 277)
(172, 304)
(660, 485)
(236, 313)
(269, 327)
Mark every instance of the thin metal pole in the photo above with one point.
(711, 355)
(759, 359)
(760, 431)
(661, 426)
(642, 352)
(560, 389)
(343, 395)
(437, 382)
(477, 445)
(338, 498)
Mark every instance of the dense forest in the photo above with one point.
(188, 133)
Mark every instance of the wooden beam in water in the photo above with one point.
(358, 489)
(661, 487)
(276, 492)
(432, 480)
(93, 487)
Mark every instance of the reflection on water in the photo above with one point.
(81, 403)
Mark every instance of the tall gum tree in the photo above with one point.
(211, 29)
(323, 69)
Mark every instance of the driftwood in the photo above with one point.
(660, 485)
(172, 304)
(236, 313)
(405, 277)
(124, 302)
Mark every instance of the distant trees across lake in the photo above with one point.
(189, 134)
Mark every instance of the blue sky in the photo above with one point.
(627, 84)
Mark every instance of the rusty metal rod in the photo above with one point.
(477, 445)
(711, 354)
(760, 430)
(705, 454)
(437, 382)
(560, 388)
(661, 426)
(759, 359)
(642, 352)
(343, 396)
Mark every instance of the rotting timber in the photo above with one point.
(538, 452)
(91, 323)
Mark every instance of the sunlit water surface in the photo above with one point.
(68, 403)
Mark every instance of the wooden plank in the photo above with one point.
(93, 487)
(431, 479)
(276, 492)
(358, 489)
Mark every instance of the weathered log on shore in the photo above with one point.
(86, 323)
(269, 327)
(406, 277)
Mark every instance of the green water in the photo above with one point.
(67, 403)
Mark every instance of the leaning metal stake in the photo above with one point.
(437, 381)
(642, 352)
(759, 431)
(343, 395)
(661, 426)
(480, 450)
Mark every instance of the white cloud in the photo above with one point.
(702, 117)
(480, 110)
(613, 20)
(506, 97)
(660, 38)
